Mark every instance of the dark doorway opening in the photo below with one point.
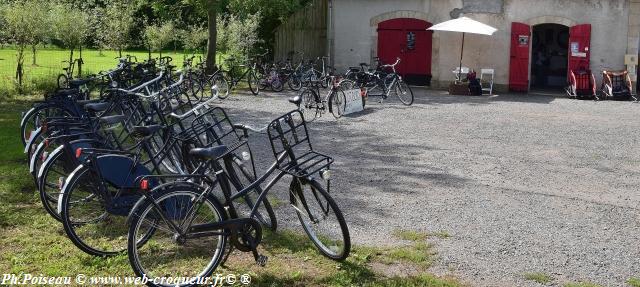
(549, 56)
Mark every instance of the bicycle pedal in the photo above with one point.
(262, 260)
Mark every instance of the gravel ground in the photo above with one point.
(521, 183)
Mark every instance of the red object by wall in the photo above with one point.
(409, 40)
(579, 47)
(519, 62)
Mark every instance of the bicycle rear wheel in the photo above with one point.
(321, 218)
(167, 253)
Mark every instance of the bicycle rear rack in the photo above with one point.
(289, 134)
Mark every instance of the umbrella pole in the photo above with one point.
(461, 53)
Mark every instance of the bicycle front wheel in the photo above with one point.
(253, 79)
(338, 103)
(404, 92)
(309, 107)
(321, 218)
(220, 85)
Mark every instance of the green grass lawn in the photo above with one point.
(32, 242)
(49, 65)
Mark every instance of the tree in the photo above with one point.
(71, 26)
(241, 35)
(17, 28)
(40, 28)
(114, 24)
(157, 37)
(194, 37)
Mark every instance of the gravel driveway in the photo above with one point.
(521, 183)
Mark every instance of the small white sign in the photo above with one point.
(354, 101)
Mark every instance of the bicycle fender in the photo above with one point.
(31, 139)
(65, 186)
(32, 160)
(26, 115)
(46, 162)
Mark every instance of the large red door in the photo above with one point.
(519, 62)
(579, 47)
(409, 40)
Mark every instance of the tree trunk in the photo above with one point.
(120, 53)
(210, 61)
(19, 70)
(80, 64)
(33, 51)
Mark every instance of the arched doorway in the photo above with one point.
(409, 40)
(549, 56)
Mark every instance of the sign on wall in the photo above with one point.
(354, 101)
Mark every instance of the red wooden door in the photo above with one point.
(579, 47)
(409, 40)
(519, 62)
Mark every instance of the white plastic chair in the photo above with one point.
(487, 85)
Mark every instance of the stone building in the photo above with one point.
(535, 45)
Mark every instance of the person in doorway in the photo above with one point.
(541, 63)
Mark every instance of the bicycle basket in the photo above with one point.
(292, 148)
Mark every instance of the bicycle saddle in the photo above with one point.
(208, 153)
(97, 107)
(145, 131)
(364, 64)
(110, 120)
(295, 100)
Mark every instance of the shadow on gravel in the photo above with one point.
(366, 165)
(434, 98)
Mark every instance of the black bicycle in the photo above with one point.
(188, 224)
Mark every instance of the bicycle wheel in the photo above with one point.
(63, 81)
(219, 85)
(86, 221)
(337, 103)
(253, 79)
(241, 177)
(295, 83)
(404, 93)
(277, 85)
(166, 253)
(321, 218)
(34, 117)
(50, 178)
(308, 105)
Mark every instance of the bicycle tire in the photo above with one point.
(140, 215)
(254, 82)
(103, 243)
(221, 86)
(297, 186)
(63, 81)
(32, 119)
(309, 105)
(48, 198)
(404, 92)
(339, 99)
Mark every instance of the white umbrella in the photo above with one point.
(464, 25)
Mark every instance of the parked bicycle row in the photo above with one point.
(139, 160)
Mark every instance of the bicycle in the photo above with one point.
(183, 226)
(63, 79)
(387, 82)
(312, 105)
